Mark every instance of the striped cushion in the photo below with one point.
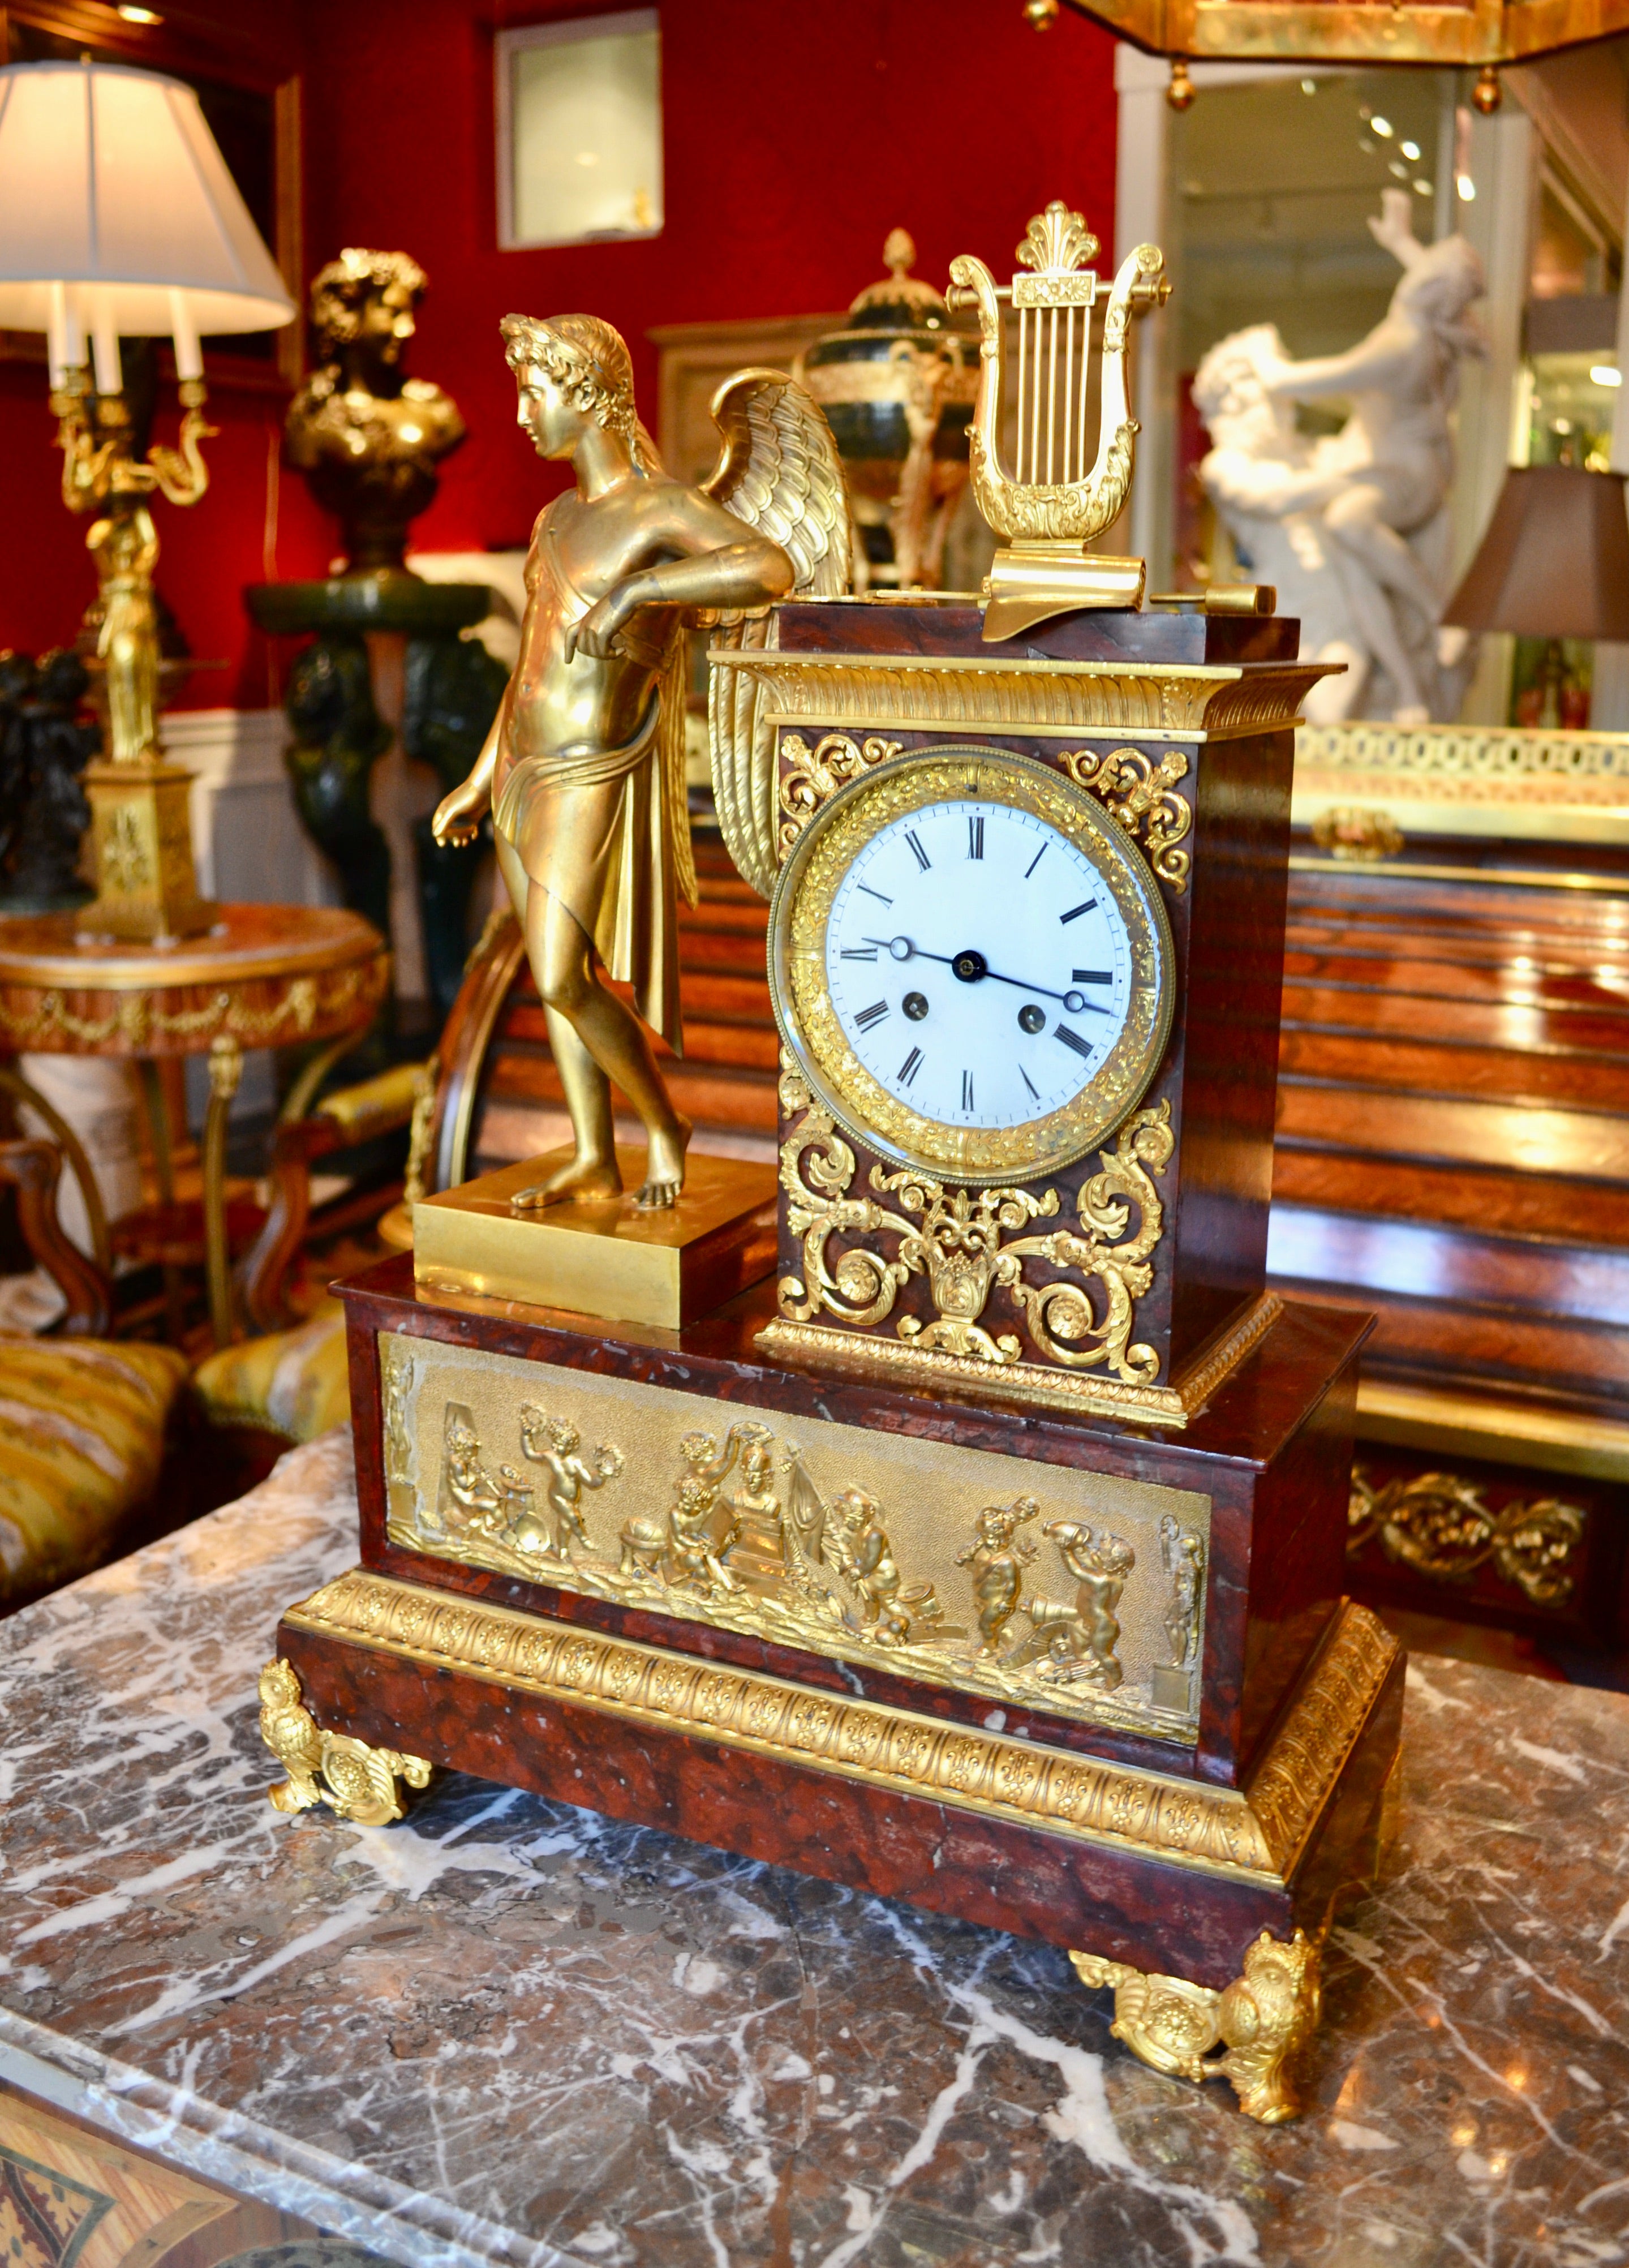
(81, 1429)
(293, 1383)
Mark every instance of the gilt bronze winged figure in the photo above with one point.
(583, 767)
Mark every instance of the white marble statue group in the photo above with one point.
(1353, 529)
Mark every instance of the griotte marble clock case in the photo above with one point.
(1219, 1071)
(1165, 1845)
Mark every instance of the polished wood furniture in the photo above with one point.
(72, 2194)
(265, 975)
(342, 1122)
(1520, 796)
(1452, 1155)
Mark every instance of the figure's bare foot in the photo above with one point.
(579, 1177)
(664, 1167)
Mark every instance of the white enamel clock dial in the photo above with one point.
(979, 968)
(972, 964)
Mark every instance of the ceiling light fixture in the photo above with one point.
(134, 15)
(1410, 149)
(1383, 127)
(1604, 373)
(1320, 36)
(1467, 189)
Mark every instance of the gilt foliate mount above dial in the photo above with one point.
(969, 959)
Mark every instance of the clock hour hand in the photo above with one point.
(971, 966)
(903, 949)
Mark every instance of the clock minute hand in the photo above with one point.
(1071, 1000)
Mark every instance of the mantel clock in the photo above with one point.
(1028, 867)
(969, 1524)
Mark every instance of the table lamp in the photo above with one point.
(1553, 564)
(117, 214)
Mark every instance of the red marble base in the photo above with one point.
(1108, 1898)
(1168, 1857)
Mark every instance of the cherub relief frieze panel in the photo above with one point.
(1030, 1584)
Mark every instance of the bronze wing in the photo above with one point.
(779, 471)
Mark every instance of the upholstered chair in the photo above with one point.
(85, 1419)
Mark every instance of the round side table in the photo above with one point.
(263, 976)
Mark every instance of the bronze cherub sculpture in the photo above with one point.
(583, 767)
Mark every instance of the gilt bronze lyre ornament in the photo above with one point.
(1051, 504)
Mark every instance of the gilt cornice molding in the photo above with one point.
(1043, 698)
(1087, 1799)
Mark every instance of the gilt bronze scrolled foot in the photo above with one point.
(1262, 2020)
(354, 1781)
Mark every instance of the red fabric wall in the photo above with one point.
(795, 137)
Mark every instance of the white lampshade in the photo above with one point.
(117, 214)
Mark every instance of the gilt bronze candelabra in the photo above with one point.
(146, 887)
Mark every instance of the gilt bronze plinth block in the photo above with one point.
(607, 1256)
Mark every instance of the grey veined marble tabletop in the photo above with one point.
(508, 2030)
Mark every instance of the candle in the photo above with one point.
(64, 336)
(184, 330)
(104, 347)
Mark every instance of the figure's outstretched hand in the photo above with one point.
(1394, 228)
(458, 815)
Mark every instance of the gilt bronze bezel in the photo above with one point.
(807, 1019)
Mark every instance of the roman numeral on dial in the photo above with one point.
(858, 952)
(975, 836)
(1084, 975)
(1073, 1040)
(967, 1090)
(1075, 912)
(874, 1014)
(920, 855)
(911, 1065)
